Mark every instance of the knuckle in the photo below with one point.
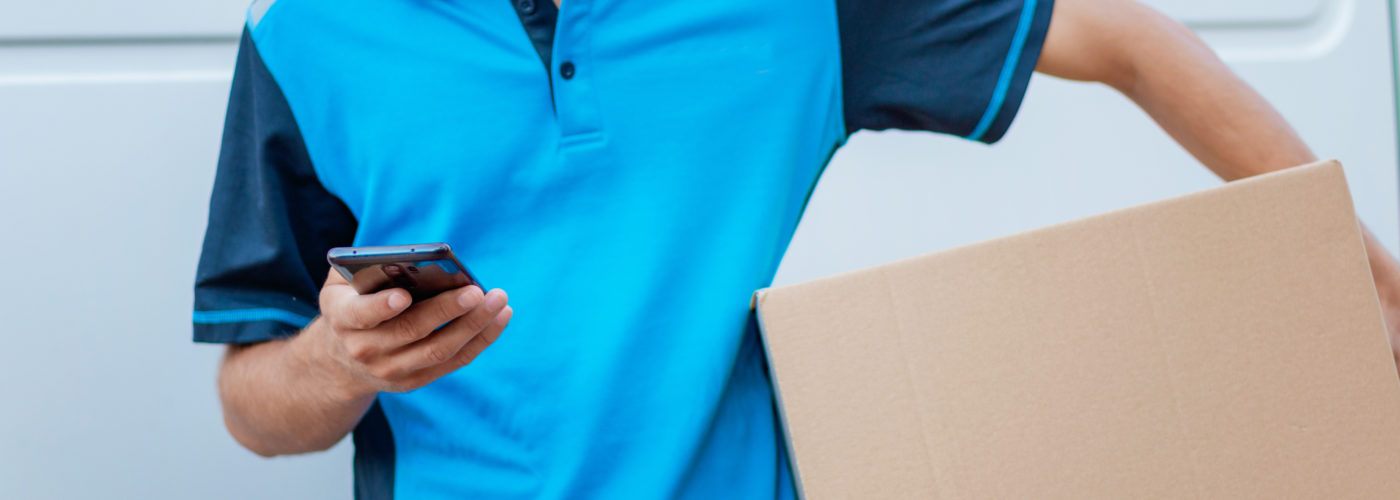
(406, 330)
(378, 372)
(480, 319)
(421, 380)
(464, 358)
(386, 372)
(437, 354)
(448, 307)
(359, 351)
(350, 321)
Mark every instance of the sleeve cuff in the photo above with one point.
(1016, 73)
(241, 326)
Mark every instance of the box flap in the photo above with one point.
(1222, 344)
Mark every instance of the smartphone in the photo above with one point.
(423, 270)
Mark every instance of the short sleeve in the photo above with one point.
(950, 66)
(271, 220)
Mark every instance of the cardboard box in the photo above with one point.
(1223, 344)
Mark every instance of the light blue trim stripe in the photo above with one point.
(243, 315)
(1008, 70)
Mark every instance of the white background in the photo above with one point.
(110, 115)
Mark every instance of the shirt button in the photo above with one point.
(526, 6)
(566, 70)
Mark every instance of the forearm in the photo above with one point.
(1173, 76)
(1231, 129)
(1219, 119)
(281, 397)
(1211, 112)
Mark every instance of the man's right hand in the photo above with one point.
(306, 392)
(384, 342)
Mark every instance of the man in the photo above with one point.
(631, 171)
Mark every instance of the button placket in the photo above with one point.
(576, 104)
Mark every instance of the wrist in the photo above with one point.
(317, 351)
(1387, 280)
(1385, 270)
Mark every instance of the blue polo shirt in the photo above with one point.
(629, 171)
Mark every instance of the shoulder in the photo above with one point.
(297, 11)
(952, 66)
(278, 25)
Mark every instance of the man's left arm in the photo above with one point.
(1173, 76)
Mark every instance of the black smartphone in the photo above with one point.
(423, 270)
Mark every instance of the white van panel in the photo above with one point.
(107, 156)
(105, 19)
(1199, 13)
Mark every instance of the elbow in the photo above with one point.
(1123, 77)
(269, 448)
(1154, 47)
(259, 451)
(250, 442)
(1133, 53)
(1105, 41)
(258, 448)
(229, 404)
(1120, 43)
(266, 423)
(238, 409)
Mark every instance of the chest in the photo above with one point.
(452, 101)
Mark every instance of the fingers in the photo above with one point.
(467, 354)
(398, 345)
(351, 310)
(479, 343)
(426, 316)
(443, 345)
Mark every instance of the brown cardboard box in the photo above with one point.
(1223, 344)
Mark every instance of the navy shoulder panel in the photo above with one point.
(951, 66)
(270, 219)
